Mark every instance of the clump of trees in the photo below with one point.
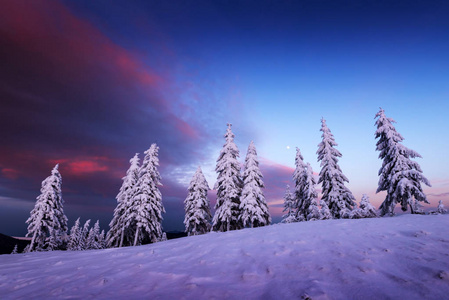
(240, 199)
(86, 237)
(138, 216)
(240, 202)
(399, 176)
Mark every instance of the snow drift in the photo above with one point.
(402, 257)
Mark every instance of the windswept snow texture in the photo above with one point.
(404, 257)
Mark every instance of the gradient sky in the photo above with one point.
(87, 84)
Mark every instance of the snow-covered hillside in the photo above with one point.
(404, 257)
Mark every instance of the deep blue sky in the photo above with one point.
(89, 83)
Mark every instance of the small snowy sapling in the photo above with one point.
(441, 209)
(289, 207)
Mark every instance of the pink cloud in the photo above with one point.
(50, 30)
(81, 166)
(10, 173)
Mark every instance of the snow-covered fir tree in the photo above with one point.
(47, 219)
(289, 207)
(197, 206)
(299, 176)
(163, 237)
(228, 186)
(74, 237)
(84, 235)
(74, 243)
(336, 195)
(325, 212)
(144, 214)
(399, 176)
(253, 207)
(121, 233)
(440, 208)
(368, 210)
(102, 240)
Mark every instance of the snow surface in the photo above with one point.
(403, 257)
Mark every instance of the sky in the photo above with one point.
(87, 84)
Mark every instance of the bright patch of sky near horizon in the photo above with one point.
(273, 70)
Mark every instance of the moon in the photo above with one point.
(288, 147)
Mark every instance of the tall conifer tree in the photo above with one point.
(399, 176)
(120, 232)
(254, 208)
(196, 205)
(228, 186)
(336, 195)
(47, 219)
(146, 208)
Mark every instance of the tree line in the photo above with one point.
(240, 198)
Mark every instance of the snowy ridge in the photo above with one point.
(401, 257)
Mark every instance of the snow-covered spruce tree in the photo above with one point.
(197, 206)
(144, 214)
(102, 240)
(163, 237)
(15, 250)
(300, 204)
(253, 207)
(399, 176)
(368, 211)
(47, 218)
(74, 243)
(228, 186)
(325, 213)
(84, 235)
(119, 234)
(440, 208)
(289, 207)
(336, 195)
